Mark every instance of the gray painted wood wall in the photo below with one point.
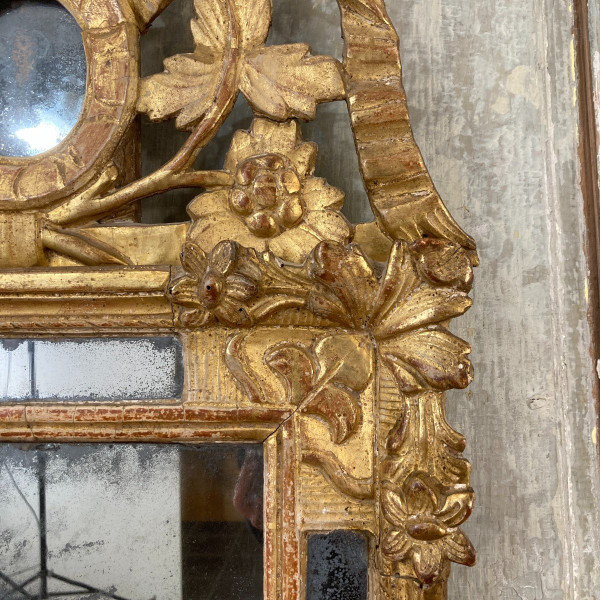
(492, 86)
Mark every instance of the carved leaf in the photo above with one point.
(249, 382)
(326, 380)
(349, 277)
(188, 86)
(254, 19)
(404, 302)
(346, 360)
(397, 435)
(295, 366)
(339, 407)
(424, 306)
(428, 358)
(284, 82)
(185, 89)
(211, 27)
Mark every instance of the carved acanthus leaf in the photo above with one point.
(326, 379)
(284, 82)
(281, 82)
(428, 359)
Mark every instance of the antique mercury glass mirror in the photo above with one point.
(216, 382)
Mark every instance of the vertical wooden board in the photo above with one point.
(492, 88)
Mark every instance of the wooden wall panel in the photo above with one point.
(493, 88)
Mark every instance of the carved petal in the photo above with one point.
(425, 305)
(193, 259)
(396, 544)
(295, 244)
(319, 195)
(394, 507)
(428, 561)
(208, 203)
(223, 256)
(275, 138)
(349, 276)
(194, 318)
(338, 407)
(210, 230)
(444, 262)
(428, 358)
(232, 313)
(295, 366)
(284, 82)
(459, 549)
(184, 291)
(420, 495)
(457, 506)
(328, 225)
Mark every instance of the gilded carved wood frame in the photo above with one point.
(328, 343)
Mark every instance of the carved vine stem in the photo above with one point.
(177, 172)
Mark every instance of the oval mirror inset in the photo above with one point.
(42, 76)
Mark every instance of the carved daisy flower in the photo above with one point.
(217, 285)
(425, 516)
(275, 203)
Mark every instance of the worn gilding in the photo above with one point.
(330, 345)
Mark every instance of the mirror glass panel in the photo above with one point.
(91, 369)
(131, 521)
(337, 566)
(42, 75)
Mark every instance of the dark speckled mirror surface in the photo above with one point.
(131, 521)
(42, 75)
(337, 566)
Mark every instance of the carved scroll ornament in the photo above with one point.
(339, 336)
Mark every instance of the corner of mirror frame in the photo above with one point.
(328, 343)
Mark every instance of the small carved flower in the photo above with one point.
(216, 285)
(275, 203)
(425, 516)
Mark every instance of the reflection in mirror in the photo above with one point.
(91, 369)
(42, 75)
(131, 521)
